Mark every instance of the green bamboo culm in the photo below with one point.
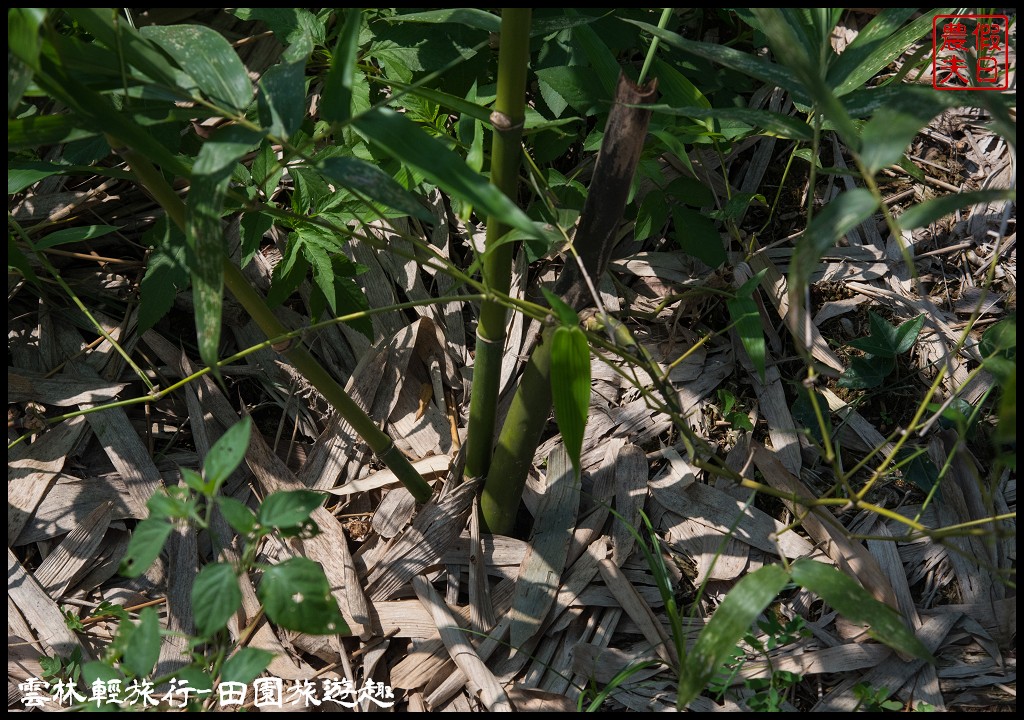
(507, 121)
(304, 362)
(520, 433)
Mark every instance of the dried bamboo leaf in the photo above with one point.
(40, 611)
(630, 493)
(75, 553)
(62, 390)
(639, 611)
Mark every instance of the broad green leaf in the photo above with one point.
(226, 454)
(282, 97)
(867, 372)
(145, 545)
(192, 677)
(293, 26)
(566, 315)
(602, 60)
(23, 45)
(143, 648)
(1000, 340)
(69, 235)
(193, 479)
(915, 99)
(906, 334)
(16, 259)
(245, 665)
(698, 236)
(877, 45)
(209, 59)
(467, 17)
(22, 173)
(723, 632)
(288, 508)
(929, 211)
(804, 416)
(570, 387)
(768, 123)
(918, 468)
(166, 272)
(215, 598)
(690, 192)
(97, 671)
(573, 86)
(887, 135)
(372, 182)
(857, 605)
(405, 141)
(840, 216)
(238, 515)
(336, 105)
(297, 596)
(351, 300)
(744, 313)
(676, 89)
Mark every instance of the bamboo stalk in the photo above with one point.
(507, 120)
(616, 163)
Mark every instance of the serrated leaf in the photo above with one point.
(570, 387)
(143, 648)
(209, 59)
(226, 454)
(146, 543)
(867, 372)
(929, 211)
(727, 626)
(297, 596)
(844, 213)
(288, 508)
(245, 665)
(404, 140)
(241, 519)
(857, 605)
(372, 182)
(215, 598)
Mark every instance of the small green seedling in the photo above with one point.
(880, 350)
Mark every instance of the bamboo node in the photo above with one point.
(503, 123)
(284, 346)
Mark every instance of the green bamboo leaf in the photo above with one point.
(34, 131)
(840, 216)
(145, 545)
(404, 140)
(468, 17)
(372, 182)
(572, 86)
(676, 89)
(297, 596)
(69, 235)
(750, 65)
(209, 59)
(929, 211)
(226, 454)
(566, 315)
(143, 647)
(887, 135)
(771, 123)
(877, 45)
(23, 43)
(744, 313)
(570, 387)
(337, 98)
(117, 34)
(857, 605)
(731, 621)
(215, 598)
